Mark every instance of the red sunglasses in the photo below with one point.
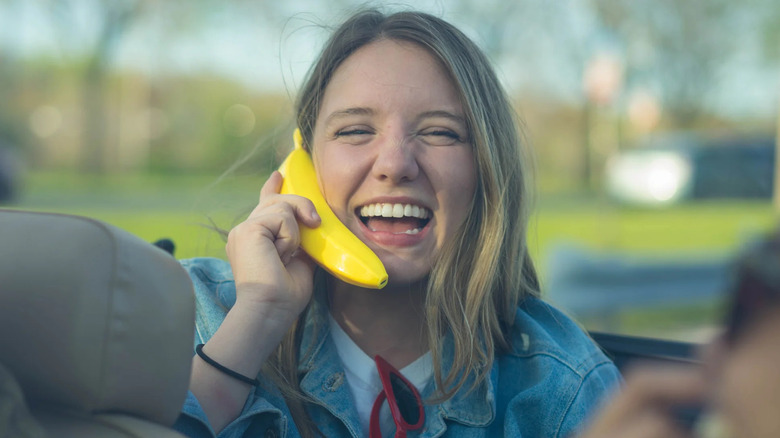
(403, 398)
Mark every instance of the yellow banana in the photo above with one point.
(331, 245)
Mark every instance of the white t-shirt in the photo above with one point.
(363, 377)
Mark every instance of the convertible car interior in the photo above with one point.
(96, 329)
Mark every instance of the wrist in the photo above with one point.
(267, 304)
(223, 369)
(246, 337)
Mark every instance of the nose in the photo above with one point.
(396, 160)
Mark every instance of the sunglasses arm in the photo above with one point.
(374, 430)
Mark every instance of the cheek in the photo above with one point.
(335, 176)
(459, 182)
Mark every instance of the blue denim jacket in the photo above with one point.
(546, 387)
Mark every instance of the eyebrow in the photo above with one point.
(443, 114)
(357, 111)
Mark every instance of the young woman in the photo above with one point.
(399, 110)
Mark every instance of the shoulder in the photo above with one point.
(210, 275)
(554, 374)
(208, 269)
(215, 292)
(542, 330)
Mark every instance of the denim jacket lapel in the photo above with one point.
(471, 408)
(324, 379)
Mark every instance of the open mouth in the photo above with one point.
(394, 218)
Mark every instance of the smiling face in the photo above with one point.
(392, 154)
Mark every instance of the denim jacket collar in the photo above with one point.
(324, 380)
(475, 407)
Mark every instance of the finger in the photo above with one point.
(301, 265)
(288, 237)
(667, 384)
(272, 185)
(654, 424)
(649, 422)
(305, 211)
(301, 208)
(656, 387)
(275, 225)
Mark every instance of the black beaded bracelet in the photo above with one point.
(224, 369)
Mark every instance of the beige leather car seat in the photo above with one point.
(96, 328)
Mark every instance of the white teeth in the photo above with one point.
(387, 210)
(412, 231)
(394, 210)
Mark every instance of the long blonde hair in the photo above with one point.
(481, 275)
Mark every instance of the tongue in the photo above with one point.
(393, 225)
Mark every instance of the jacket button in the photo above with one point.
(333, 382)
(270, 433)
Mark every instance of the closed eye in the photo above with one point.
(440, 137)
(354, 136)
(348, 132)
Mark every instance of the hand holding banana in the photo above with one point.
(331, 245)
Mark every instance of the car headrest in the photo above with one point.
(93, 318)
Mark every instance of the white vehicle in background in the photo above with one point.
(677, 167)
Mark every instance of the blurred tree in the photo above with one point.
(99, 37)
(12, 124)
(493, 22)
(94, 30)
(675, 47)
(540, 36)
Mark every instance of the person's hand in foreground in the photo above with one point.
(651, 404)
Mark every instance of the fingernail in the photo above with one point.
(315, 216)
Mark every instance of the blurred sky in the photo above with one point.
(273, 52)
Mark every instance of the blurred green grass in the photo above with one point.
(183, 207)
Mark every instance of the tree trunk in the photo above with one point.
(94, 118)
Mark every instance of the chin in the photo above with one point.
(405, 279)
